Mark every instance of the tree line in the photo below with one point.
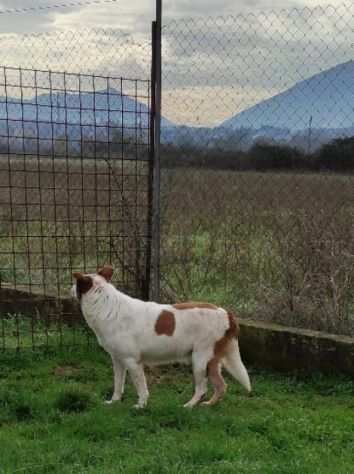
(336, 156)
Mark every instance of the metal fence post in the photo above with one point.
(156, 124)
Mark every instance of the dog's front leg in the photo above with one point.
(119, 379)
(136, 371)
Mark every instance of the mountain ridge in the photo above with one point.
(326, 99)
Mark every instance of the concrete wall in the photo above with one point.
(289, 349)
(22, 302)
(262, 344)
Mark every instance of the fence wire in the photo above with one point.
(256, 153)
(74, 191)
(257, 156)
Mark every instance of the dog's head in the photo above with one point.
(86, 282)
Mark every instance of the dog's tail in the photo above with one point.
(232, 360)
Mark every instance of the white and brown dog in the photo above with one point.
(135, 333)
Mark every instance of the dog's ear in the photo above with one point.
(106, 272)
(78, 275)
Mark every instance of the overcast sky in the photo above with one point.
(132, 14)
(212, 68)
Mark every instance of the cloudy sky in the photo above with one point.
(213, 67)
(130, 15)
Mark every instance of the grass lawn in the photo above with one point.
(52, 420)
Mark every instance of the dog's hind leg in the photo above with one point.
(216, 379)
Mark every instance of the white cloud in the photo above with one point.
(134, 16)
(212, 68)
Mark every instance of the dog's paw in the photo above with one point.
(209, 403)
(109, 402)
(189, 405)
(139, 406)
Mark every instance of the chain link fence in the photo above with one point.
(256, 155)
(257, 186)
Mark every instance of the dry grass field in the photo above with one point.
(276, 246)
(59, 215)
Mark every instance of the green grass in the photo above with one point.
(20, 332)
(52, 420)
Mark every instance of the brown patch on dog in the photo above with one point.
(192, 305)
(232, 332)
(165, 323)
(234, 329)
(220, 350)
(106, 272)
(217, 381)
(83, 283)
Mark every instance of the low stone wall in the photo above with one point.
(262, 344)
(45, 306)
(290, 349)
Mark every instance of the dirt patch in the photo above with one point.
(66, 371)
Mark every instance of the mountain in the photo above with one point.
(327, 97)
(307, 115)
(85, 114)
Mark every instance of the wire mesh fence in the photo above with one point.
(74, 188)
(256, 154)
(257, 187)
